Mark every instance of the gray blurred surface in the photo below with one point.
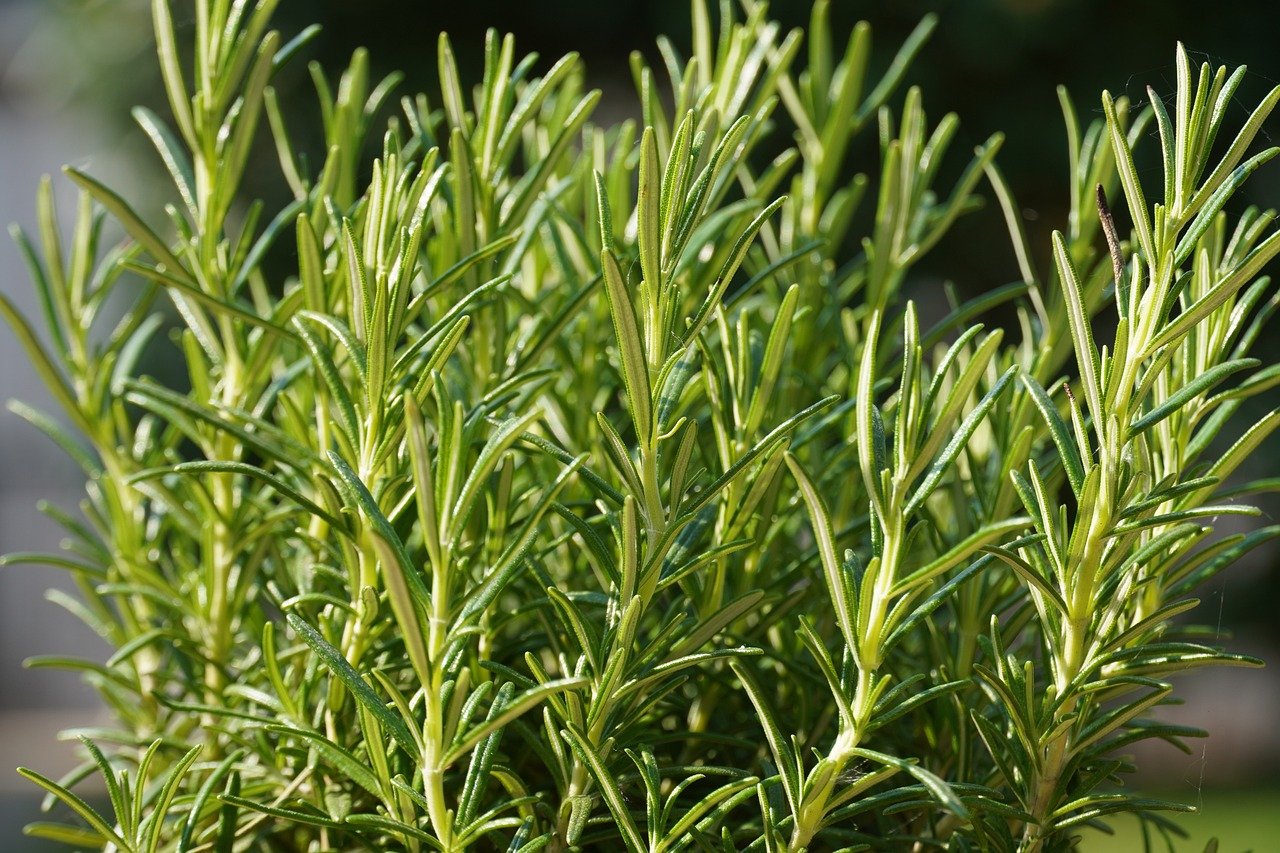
(34, 704)
(32, 143)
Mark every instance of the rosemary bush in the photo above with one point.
(586, 487)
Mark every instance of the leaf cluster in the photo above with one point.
(594, 486)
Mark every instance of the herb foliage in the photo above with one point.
(595, 487)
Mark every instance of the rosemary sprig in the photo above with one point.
(594, 487)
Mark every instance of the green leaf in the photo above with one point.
(766, 445)
(405, 587)
(171, 70)
(725, 277)
(939, 789)
(257, 434)
(337, 664)
(1214, 204)
(944, 464)
(1033, 578)
(844, 606)
(771, 365)
(77, 805)
(1184, 395)
(1081, 332)
(70, 445)
(290, 816)
(133, 225)
(1062, 438)
(786, 761)
(220, 467)
(671, 667)
(352, 768)
(1129, 180)
(44, 366)
(323, 359)
(940, 596)
(207, 788)
(511, 558)
(1223, 290)
(160, 805)
(64, 834)
(500, 441)
(626, 329)
(175, 159)
(959, 553)
(396, 827)
(183, 290)
(710, 812)
(648, 217)
(613, 798)
(526, 701)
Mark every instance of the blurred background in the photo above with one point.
(71, 69)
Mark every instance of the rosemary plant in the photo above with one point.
(595, 487)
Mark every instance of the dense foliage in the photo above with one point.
(596, 487)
